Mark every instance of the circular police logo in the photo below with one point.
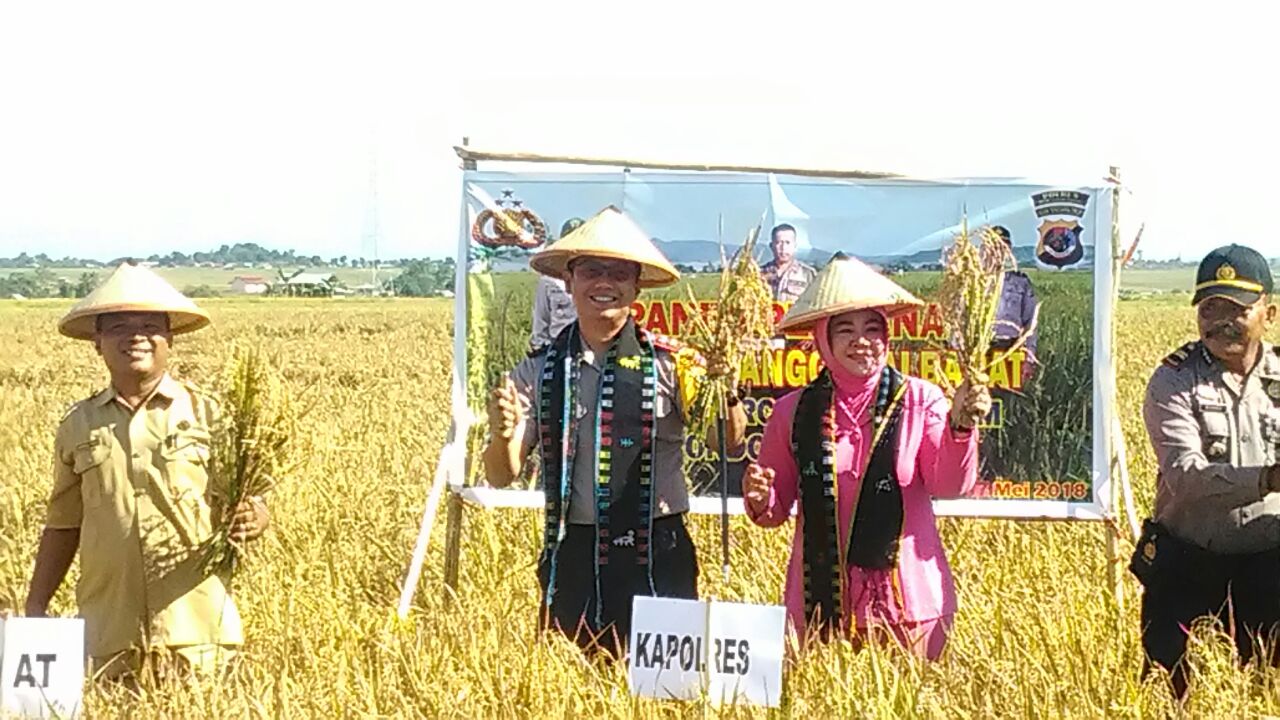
(1226, 272)
(1274, 390)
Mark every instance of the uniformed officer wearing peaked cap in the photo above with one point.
(133, 495)
(1212, 411)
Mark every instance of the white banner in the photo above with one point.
(1045, 450)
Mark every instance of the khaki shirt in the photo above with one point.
(552, 310)
(671, 490)
(136, 485)
(1213, 438)
(789, 283)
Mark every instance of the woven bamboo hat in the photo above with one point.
(609, 234)
(847, 284)
(132, 289)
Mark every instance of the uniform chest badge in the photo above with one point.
(1149, 551)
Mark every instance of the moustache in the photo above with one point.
(1229, 331)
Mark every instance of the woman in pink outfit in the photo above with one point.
(884, 572)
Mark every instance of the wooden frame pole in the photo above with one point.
(1110, 527)
(453, 542)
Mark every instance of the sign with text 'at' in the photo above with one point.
(41, 667)
(684, 649)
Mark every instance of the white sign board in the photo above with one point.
(41, 666)
(685, 649)
(746, 643)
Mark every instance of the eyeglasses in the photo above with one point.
(617, 271)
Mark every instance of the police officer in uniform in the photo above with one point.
(786, 274)
(1212, 411)
(605, 407)
(1017, 308)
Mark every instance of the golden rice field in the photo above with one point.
(1038, 633)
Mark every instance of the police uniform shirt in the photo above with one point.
(789, 283)
(1017, 309)
(136, 485)
(1214, 437)
(671, 493)
(552, 310)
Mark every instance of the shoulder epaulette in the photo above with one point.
(71, 407)
(1176, 358)
(667, 342)
(676, 346)
(196, 391)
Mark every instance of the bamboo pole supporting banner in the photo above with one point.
(1114, 576)
(444, 470)
(453, 542)
(471, 156)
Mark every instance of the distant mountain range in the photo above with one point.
(705, 251)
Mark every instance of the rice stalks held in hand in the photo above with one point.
(738, 326)
(972, 283)
(251, 446)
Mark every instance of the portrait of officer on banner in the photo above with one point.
(786, 275)
(1017, 312)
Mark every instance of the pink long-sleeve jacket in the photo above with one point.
(932, 461)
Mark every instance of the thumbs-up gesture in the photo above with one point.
(506, 410)
(756, 484)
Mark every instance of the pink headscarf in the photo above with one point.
(854, 393)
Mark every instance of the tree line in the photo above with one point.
(236, 254)
(417, 278)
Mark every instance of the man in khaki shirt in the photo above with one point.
(132, 492)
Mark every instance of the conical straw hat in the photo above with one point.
(132, 289)
(847, 284)
(610, 234)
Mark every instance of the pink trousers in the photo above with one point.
(925, 639)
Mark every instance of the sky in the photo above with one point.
(139, 128)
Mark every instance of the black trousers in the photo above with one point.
(1241, 591)
(573, 608)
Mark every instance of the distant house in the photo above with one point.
(305, 284)
(366, 289)
(250, 285)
